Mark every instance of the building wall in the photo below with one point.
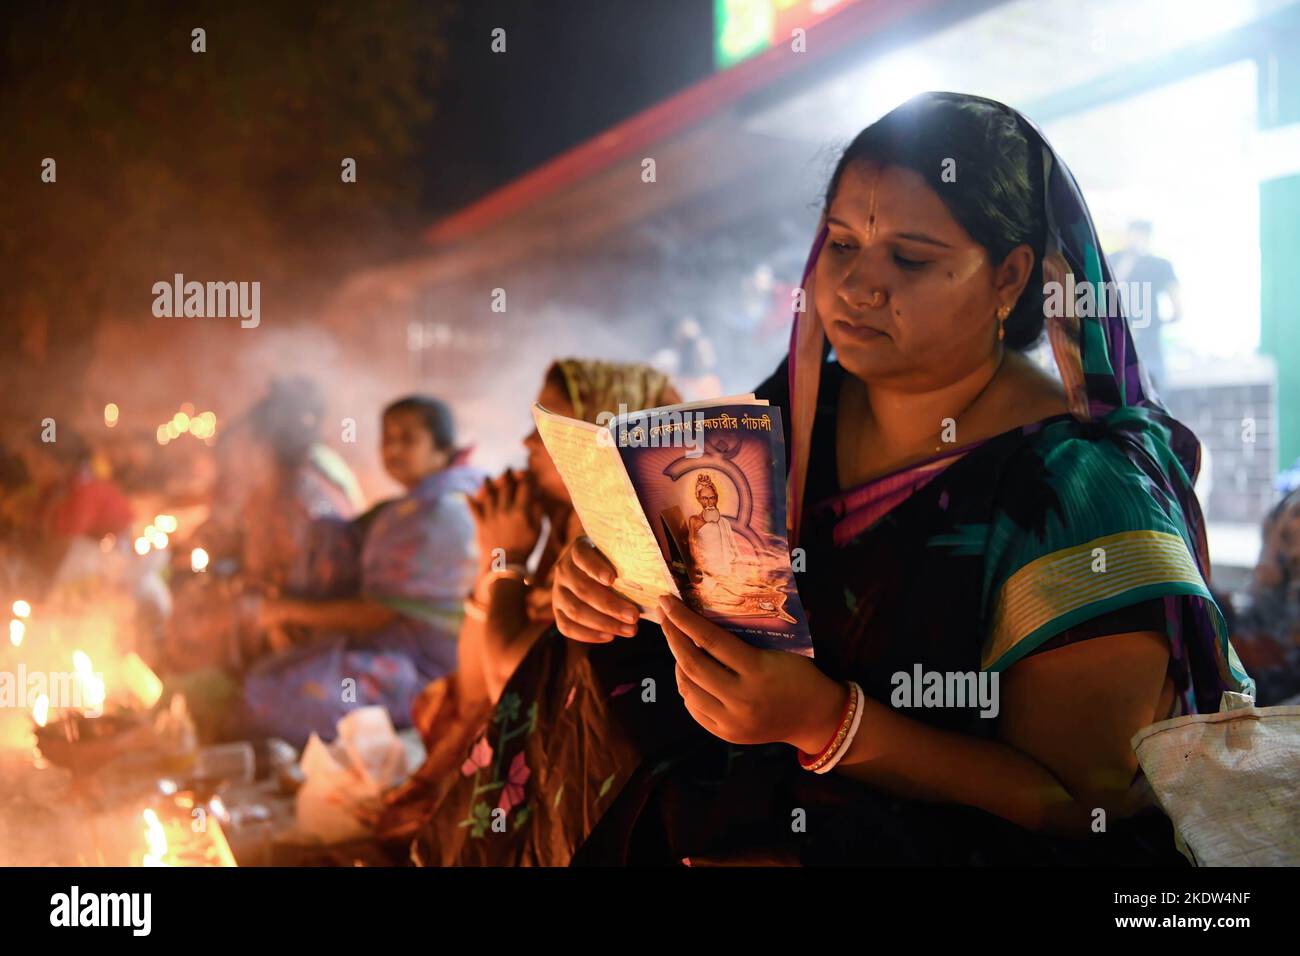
(1280, 245)
(1235, 422)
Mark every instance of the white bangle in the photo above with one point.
(853, 731)
(515, 571)
(474, 609)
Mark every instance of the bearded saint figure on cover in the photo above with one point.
(720, 529)
(713, 546)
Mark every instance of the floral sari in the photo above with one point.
(1074, 527)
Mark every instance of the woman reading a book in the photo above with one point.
(966, 521)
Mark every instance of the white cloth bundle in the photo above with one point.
(347, 778)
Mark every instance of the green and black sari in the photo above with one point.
(1071, 528)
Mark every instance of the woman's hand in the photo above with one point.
(274, 612)
(274, 617)
(587, 608)
(746, 695)
(507, 512)
(537, 604)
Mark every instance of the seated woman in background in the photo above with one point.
(1269, 626)
(962, 515)
(302, 480)
(509, 607)
(69, 498)
(276, 480)
(407, 564)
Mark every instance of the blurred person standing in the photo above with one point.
(1136, 264)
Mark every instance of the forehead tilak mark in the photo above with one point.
(872, 203)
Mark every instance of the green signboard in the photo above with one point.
(745, 28)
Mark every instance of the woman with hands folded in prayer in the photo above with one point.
(509, 606)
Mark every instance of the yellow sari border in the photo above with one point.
(1058, 586)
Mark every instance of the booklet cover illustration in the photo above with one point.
(689, 500)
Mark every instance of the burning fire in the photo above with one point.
(92, 685)
(140, 680)
(156, 837)
(18, 626)
(41, 710)
(192, 845)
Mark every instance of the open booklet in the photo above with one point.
(689, 500)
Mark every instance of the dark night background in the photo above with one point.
(228, 161)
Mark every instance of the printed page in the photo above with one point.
(607, 506)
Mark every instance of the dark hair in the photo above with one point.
(435, 415)
(288, 419)
(555, 378)
(997, 194)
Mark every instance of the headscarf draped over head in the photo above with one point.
(594, 386)
(1094, 354)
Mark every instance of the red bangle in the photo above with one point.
(807, 760)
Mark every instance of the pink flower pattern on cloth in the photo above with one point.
(512, 793)
(479, 757)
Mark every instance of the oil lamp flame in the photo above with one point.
(140, 680)
(92, 685)
(156, 837)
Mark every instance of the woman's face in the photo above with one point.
(408, 450)
(934, 321)
(549, 482)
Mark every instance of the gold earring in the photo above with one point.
(1002, 319)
